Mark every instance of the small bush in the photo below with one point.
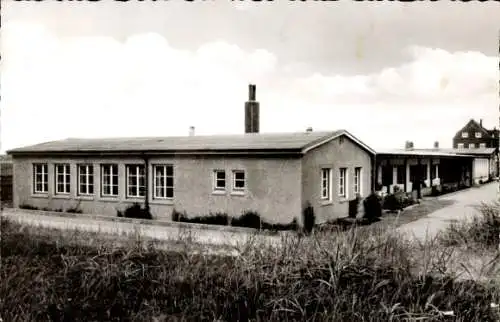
(74, 210)
(249, 219)
(28, 207)
(373, 207)
(136, 211)
(309, 218)
(353, 206)
(211, 219)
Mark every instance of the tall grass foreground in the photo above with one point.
(359, 275)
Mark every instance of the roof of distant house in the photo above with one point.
(440, 152)
(5, 158)
(247, 143)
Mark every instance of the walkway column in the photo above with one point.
(407, 174)
(429, 179)
(419, 178)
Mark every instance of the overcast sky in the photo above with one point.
(386, 72)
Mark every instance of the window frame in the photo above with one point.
(66, 178)
(216, 180)
(460, 146)
(87, 176)
(465, 135)
(111, 183)
(358, 180)
(482, 145)
(137, 182)
(163, 187)
(326, 184)
(342, 192)
(45, 178)
(478, 135)
(238, 189)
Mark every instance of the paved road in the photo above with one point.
(462, 208)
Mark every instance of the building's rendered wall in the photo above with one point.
(334, 155)
(273, 187)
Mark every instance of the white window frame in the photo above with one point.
(358, 175)
(88, 175)
(137, 180)
(465, 135)
(217, 180)
(239, 189)
(161, 181)
(482, 145)
(326, 184)
(44, 178)
(343, 183)
(479, 135)
(111, 182)
(66, 175)
(472, 145)
(460, 146)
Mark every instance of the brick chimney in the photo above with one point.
(309, 129)
(481, 122)
(251, 112)
(191, 131)
(408, 145)
(436, 145)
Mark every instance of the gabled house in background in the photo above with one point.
(473, 136)
(275, 175)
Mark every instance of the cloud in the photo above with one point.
(55, 87)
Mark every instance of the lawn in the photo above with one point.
(369, 274)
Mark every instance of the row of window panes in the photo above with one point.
(136, 181)
(238, 180)
(466, 135)
(326, 178)
(471, 145)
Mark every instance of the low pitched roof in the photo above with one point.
(248, 142)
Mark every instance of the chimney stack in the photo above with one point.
(309, 129)
(191, 131)
(436, 145)
(481, 122)
(408, 145)
(251, 111)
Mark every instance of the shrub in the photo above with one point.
(249, 219)
(373, 207)
(28, 207)
(353, 206)
(211, 219)
(74, 210)
(309, 218)
(136, 211)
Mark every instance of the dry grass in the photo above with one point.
(368, 274)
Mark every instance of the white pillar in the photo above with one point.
(437, 173)
(429, 183)
(394, 176)
(407, 177)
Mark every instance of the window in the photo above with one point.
(478, 135)
(239, 180)
(63, 178)
(136, 185)
(326, 184)
(85, 179)
(460, 145)
(164, 181)
(465, 134)
(109, 183)
(472, 145)
(357, 180)
(40, 178)
(482, 145)
(343, 182)
(219, 180)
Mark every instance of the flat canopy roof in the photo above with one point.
(423, 153)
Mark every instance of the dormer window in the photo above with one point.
(478, 135)
(465, 134)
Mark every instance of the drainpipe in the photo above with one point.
(146, 182)
(374, 173)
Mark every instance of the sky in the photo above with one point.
(387, 73)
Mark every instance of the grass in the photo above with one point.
(368, 274)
